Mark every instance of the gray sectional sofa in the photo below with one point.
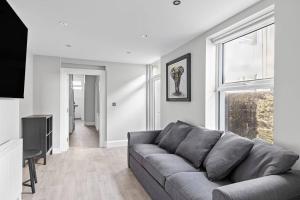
(166, 175)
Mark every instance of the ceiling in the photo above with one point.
(111, 30)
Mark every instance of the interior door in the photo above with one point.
(64, 129)
(71, 105)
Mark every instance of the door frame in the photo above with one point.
(64, 104)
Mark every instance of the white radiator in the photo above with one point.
(11, 170)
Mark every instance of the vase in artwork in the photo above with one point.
(176, 73)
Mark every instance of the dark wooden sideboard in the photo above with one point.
(37, 132)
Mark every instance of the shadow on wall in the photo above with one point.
(130, 108)
(129, 89)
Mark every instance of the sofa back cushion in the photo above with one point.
(264, 159)
(174, 136)
(163, 132)
(229, 151)
(197, 144)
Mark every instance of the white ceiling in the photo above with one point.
(107, 29)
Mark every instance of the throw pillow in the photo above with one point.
(264, 159)
(229, 151)
(174, 136)
(197, 144)
(163, 132)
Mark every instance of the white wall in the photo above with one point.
(287, 73)
(194, 111)
(26, 104)
(126, 85)
(46, 79)
(9, 119)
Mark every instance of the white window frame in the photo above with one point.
(154, 79)
(151, 97)
(244, 29)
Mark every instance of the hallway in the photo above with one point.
(84, 136)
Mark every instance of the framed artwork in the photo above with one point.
(178, 79)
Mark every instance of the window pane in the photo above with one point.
(77, 88)
(156, 69)
(76, 83)
(157, 104)
(249, 57)
(250, 113)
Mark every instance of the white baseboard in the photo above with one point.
(89, 123)
(116, 143)
(56, 150)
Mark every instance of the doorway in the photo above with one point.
(83, 108)
(83, 111)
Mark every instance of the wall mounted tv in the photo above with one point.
(13, 46)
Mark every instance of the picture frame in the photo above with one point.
(178, 79)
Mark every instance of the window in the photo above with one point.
(153, 93)
(245, 86)
(156, 93)
(77, 85)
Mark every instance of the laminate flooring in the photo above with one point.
(84, 136)
(85, 173)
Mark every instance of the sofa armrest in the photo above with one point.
(274, 187)
(142, 137)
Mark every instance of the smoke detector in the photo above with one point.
(176, 2)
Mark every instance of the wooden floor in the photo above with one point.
(85, 173)
(84, 136)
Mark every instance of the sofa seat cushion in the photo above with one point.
(161, 166)
(191, 186)
(140, 151)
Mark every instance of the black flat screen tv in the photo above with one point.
(13, 47)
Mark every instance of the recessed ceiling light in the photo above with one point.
(176, 2)
(144, 36)
(68, 45)
(128, 52)
(63, 23)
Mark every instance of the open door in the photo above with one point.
(64, 102)
(71, 105)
